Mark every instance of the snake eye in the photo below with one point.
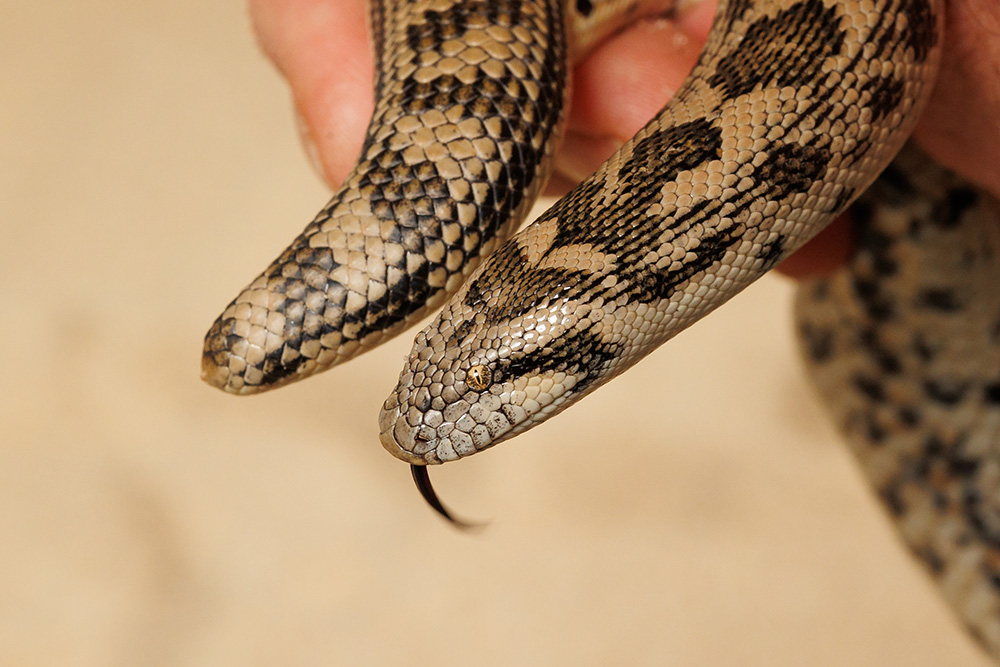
(479, 377)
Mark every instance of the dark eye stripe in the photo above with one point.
(575, 352)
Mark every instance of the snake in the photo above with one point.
(795, 112)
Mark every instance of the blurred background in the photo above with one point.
(699, 511)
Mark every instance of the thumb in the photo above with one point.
(321, 47)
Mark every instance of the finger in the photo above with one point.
(824, 254)
(623, 84)
(959, 128)
(321, 47)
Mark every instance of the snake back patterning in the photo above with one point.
(903, 343)
(792, 110)
(469, 99)
(469, 105)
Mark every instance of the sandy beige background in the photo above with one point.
(698, 512)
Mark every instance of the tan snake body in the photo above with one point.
(469, 104)
(793, 109)
(902, 344)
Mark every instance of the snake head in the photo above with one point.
(500, 358)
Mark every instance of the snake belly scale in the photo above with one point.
(793, 110)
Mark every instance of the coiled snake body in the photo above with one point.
(793, 109)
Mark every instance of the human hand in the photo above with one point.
(322, 49)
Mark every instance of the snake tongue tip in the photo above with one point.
(423, 482)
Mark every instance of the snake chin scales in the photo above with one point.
(793, 110)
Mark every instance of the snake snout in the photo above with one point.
(407, 443)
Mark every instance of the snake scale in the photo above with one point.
(793, 110)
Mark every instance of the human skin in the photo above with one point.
(321, 47)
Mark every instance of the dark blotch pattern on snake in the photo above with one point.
(791, 112)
